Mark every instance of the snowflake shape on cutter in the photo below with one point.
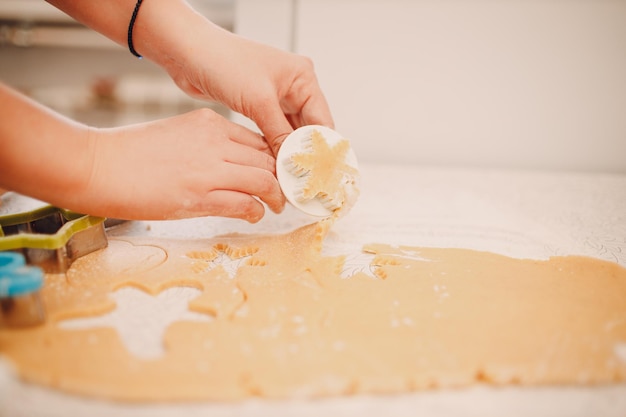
(323, 170)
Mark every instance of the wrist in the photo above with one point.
(164, 31)
(67, 179)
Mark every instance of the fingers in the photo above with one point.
(273, 123)
(277, 119)
(316, 112)
(247, 137)
(234, 204)
(253, 181)
(237, 192)
(247, 167)
(304, 103)
(243, 155)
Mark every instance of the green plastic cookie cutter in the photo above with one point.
(47, 236)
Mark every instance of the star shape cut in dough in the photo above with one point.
(141, 319)
(323, 171)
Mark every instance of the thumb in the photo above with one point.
(273, 124)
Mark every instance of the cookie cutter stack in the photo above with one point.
(47, 237)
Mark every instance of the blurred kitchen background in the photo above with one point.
(522, 84)
(83, 74)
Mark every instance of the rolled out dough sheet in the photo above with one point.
(285, 322)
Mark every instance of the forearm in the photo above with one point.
(162, 30)
(43, 154)
(278, 90)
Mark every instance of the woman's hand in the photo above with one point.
(278, 90)
(195, 164)
(198, 164)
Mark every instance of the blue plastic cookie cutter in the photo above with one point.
(17, 278)
(20, 298)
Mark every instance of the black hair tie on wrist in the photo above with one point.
(130, 30)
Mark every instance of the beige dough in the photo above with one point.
(287, 324)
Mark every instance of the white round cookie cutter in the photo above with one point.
(289, 182)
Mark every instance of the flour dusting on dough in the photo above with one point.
(289, 322)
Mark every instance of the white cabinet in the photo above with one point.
(508, 83)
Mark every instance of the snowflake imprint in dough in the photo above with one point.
(370, 264)
(323, 171)
(228, 257)
(361, 262)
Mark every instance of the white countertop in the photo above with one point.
(514, 213)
